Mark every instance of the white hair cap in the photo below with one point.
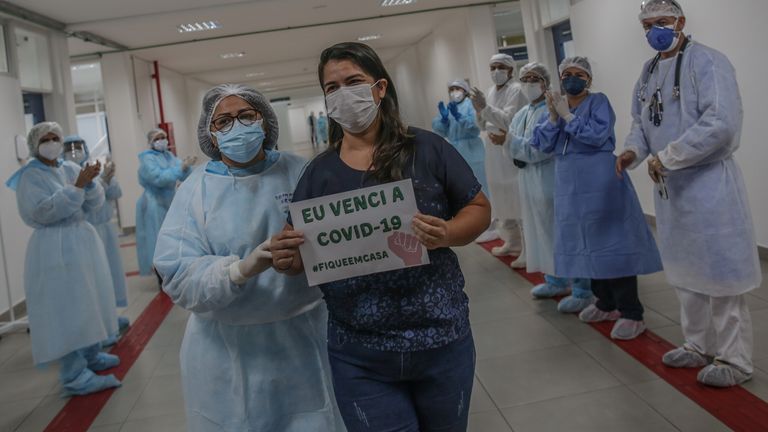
(660, 8)
(578, 63)
(39, 131)
(505, 59)
(459, 83)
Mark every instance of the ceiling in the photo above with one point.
(266, 30)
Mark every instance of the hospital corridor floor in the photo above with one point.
(537, 370)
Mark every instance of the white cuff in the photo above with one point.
(568, 118)
(234, 274)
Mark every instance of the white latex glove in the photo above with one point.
(109, 172)
(258, 261)
(562, 108)
(188, 162)
(478, 99)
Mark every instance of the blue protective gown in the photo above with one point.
(66, 268)
(464, 134)
(705, 229)
(322, 129)
(158, 174)
(101, 219)
(600, 229)
(254, 356)
(537, 189)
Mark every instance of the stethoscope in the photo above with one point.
(656, 106)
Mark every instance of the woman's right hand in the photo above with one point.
(285, 251)
(87, 174)
(624, 161)
(553, 115)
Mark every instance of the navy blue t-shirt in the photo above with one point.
(411, 309)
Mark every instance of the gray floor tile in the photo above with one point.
(28, 384)
(760, 333)
(163, 423)
(664, 302)
(108, 428)
(762, 364)
(654, 320)
(169, 364)
(20, 361)
(13, 413)
(491, 421)
(145, 365)
(43, 413)
(677, 408)
(570, 325)
(161, 397)
(11, 343)
(514, 335)
(121, 403)
(620, 364)
(540, 375)
(647, 284)
(494, 308)
(480, 401)
(614, 409)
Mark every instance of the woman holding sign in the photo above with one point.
(253, 356)
(399, 341)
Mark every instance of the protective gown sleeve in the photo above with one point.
(519, 147)
(193, 276)
(151, 172)
(439, 127)
(597, 127)
(113, 191)
(719, 103)
(502, 117)
(546, 135)
(44, 208)
(636, 140)
(94, 197)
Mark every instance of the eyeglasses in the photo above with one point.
(529, 80)
(225, 122)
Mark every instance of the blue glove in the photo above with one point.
(443, 111)
(454, 109)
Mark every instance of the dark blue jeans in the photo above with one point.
(421, 391)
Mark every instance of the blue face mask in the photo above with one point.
(574, 85)
(242, 143)
(662, 39)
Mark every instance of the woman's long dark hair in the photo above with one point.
(393, 148)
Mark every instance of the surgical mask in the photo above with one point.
(242, 143)
(160, 145)
(353, 107)
(500, 76)
(50, 150)
(663, 39)
(457, 96)
(77, 156)
(531, 91)
(574, 85)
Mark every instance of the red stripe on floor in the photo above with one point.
(736, 407)
(132, 274)
(80, 412)
(125, 245)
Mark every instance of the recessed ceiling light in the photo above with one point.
(233, 55)
(85, 66)
(254, 74)
(369, 37)
(198, 26)
(385, 3)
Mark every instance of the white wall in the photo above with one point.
(405, 70)
(608, 32)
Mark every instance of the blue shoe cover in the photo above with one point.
(104, 361)
(110, 341)
(88, 382)
(573, 304)
(123, 323)
(547, 291)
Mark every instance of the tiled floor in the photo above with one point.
(537, 370)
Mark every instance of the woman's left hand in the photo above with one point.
(431, 231)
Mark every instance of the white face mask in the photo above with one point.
(50, 150)
(531, 91)
(457, 96)
(353, 107)
(160, 145)
(500, 77)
